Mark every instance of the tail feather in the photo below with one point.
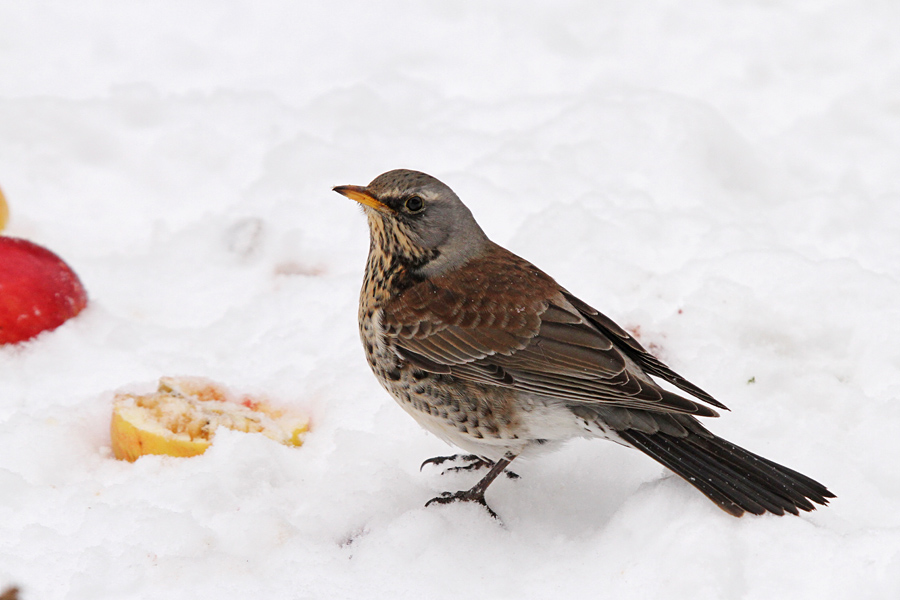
(735, 479)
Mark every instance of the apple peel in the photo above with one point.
(38, 290)
(182, 416)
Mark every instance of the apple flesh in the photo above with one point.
(38, 291)
(182, 416)
(4, 211)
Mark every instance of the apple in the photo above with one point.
(38, 291)
(181, 418)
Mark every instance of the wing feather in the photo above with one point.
(498, 320)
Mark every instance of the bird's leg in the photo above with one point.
(473, 463)
(476, 493)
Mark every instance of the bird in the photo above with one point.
(490, 354)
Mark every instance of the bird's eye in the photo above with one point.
(414, 204)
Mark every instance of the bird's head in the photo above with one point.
(416, 219)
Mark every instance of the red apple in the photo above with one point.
(38, 291)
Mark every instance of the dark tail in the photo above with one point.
(733, 478)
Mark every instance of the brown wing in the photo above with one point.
(500, 320)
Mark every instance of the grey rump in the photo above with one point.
(490, 354)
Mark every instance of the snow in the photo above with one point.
(721, 177)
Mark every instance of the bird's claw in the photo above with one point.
(463, 496)
(438, 460)
(474, 463)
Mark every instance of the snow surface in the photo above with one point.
(723, 177)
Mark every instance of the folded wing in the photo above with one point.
(475, 325)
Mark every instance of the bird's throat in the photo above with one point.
(394, 259)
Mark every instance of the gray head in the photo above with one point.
(418, 217)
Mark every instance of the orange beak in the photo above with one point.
(362, 195)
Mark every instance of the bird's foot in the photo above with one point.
(439, 460)
(472, 495)
(473, 463)
(476, 494)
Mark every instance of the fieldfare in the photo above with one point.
(493, 356)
